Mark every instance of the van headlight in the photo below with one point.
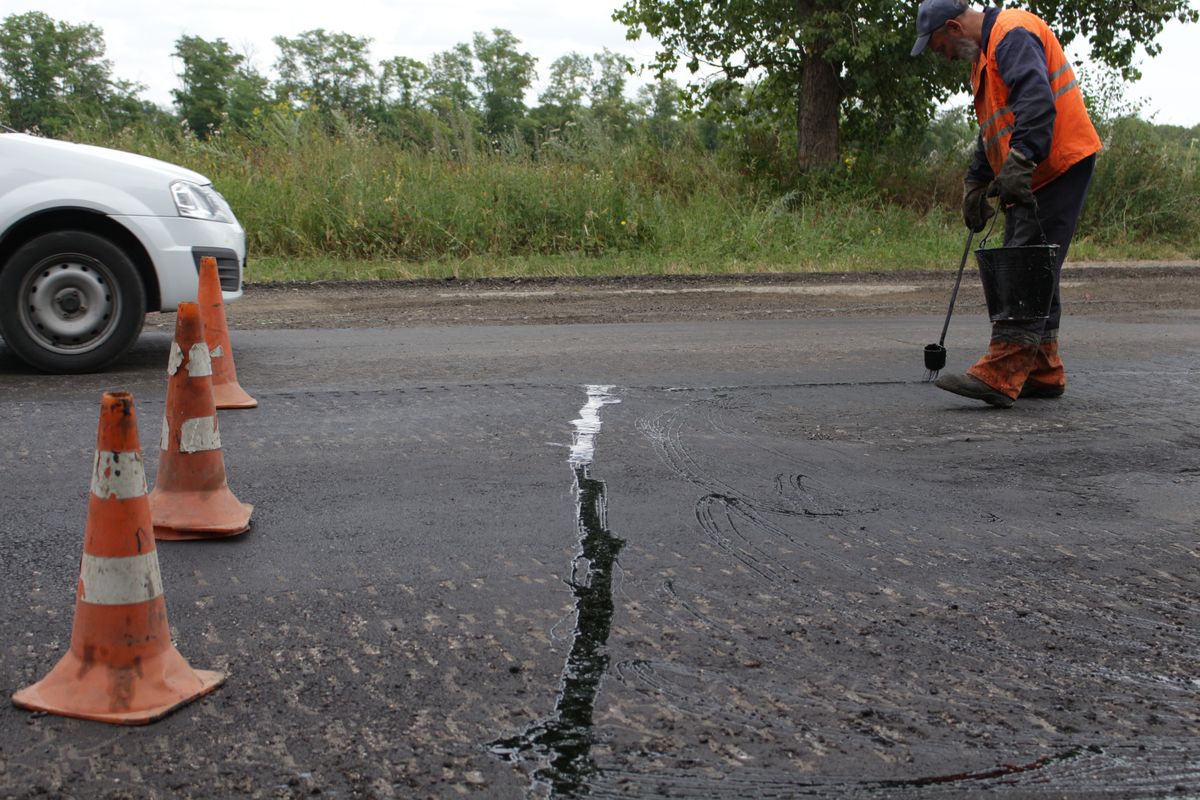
(200, 202)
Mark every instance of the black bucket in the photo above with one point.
(1018, 282)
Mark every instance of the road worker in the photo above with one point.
(1036, 151)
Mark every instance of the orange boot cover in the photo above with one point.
(1007, 362)
(121, 666)
(227, 392)
(191, 499)
(1047, 378)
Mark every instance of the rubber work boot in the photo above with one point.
(998, 376)
(1047, 378)
(968, 385)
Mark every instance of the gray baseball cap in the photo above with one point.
(931, 16)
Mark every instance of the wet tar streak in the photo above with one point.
(1001, 771)
(562, 744)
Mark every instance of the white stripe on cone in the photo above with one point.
(118, 475)
(120, 581)
(199, 363)
(175, 360)
(199, 434)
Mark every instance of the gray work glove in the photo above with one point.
(975, 207)
(1014, 184)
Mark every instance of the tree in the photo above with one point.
(401, 81)
(607, 91)
(399, 91)
(53, 74)
(505, 75)
(329, 71)
(561, 102)
(835, 61)
(247, 96)
(450, 81)
(217, 87)
(659, 102)
(570, 76)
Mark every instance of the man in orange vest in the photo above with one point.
(1036, 150)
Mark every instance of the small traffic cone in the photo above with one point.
(227, 392)
(191, 499)
(121, 666)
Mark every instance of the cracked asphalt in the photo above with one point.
(788, 568)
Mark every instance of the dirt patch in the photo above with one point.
(1087, 290)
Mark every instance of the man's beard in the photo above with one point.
(966, 49)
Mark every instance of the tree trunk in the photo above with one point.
(817, 110)
(819, 100)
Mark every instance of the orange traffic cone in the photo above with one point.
(191, 499)
(227, 392)
(121, 666)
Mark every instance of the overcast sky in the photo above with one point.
(141, 34)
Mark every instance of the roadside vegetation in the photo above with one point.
(411, 170)
(321, 205)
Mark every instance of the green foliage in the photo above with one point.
(451, 81)
(218, 88)
(53, 76)
(607, 93)
(660, 105)
(951, 133)
(324, 70)
(586, 201)
(760, 51)
(1147, 179)
(1146, 184)
(1115, 31)
(361, 197)
(1104, 96)
(568, 83)
(401, 83)
(505, 75)
(883, 94)
(601, 80)
(441, 163)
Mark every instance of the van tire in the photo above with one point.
(70, 301)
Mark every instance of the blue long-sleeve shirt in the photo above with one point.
(1021, 61)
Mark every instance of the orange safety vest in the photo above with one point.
(1074, 138)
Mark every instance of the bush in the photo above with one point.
(1145, 186)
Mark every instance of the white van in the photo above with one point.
(92, 238)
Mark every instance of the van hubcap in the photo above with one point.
(70, 304)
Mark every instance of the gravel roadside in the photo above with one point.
(1088, 289)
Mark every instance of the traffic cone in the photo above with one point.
(227, 392)
(191, 499)
(121, 666)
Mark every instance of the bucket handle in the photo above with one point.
(1036, 217)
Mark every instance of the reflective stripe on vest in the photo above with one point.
(1073, 139)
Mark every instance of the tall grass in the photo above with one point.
(329, 200)
(1146, 185)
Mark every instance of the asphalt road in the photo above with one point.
(780, 566)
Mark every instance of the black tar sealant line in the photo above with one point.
(562, 743)
(1001, 771)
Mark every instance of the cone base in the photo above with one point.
(232, 395)
(198, 515)
(163, 685)
(162, 534)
